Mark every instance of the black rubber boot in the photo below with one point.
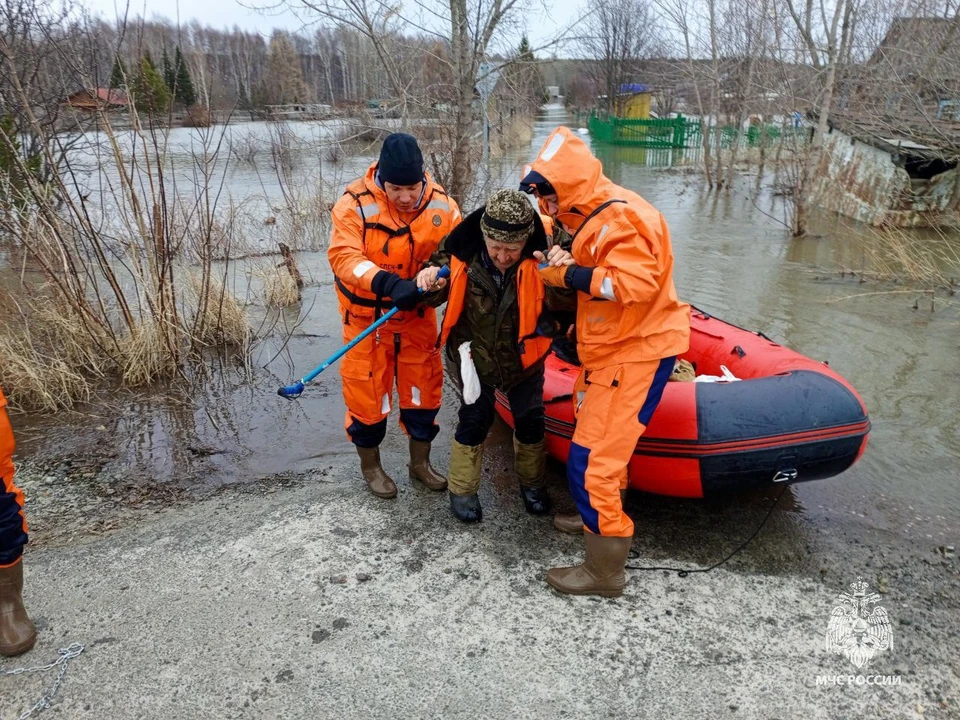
(466, 507)
(536, 500)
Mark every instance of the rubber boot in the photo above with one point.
(17, 632)
(572, 523)
(602, 571)
(380, 484)
(530, 464)
(465, 462)
(420, 467)
(569, 523)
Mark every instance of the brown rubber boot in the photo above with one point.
(569, 523)
(420, 467)
(380, 484)
(601, 572)
(17, 632)
(572, 523)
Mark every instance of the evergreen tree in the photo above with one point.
(185, 91)
(119, 74)
(524, 76)
(524, 50)
(169, 77)
(14, 178)
(150, 94)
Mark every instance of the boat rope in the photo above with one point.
(634, 555)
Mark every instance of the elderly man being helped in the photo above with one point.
(497, 311)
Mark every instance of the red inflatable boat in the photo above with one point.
(789, 419)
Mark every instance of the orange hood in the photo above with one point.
(577, 176)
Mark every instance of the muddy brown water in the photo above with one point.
(733, 259)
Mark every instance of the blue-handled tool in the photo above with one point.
(292, 392)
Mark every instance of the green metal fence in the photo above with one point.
(668, 133)
(679, 140)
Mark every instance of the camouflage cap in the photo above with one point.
(507, 217)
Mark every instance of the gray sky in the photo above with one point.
(543, 22)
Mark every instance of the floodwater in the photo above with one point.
(733, 259)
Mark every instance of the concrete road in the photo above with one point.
(312, 599)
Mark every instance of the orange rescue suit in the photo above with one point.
(13, 522)
(630, 323)
(370, 235)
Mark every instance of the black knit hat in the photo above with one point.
(401, 162)
(535, 181)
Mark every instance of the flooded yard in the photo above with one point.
(277, 586)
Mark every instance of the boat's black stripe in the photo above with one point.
(799, 401)
(693, 455)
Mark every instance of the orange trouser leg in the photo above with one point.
(367, 375)
(615, 405)
(419, 377)
(13, 522)
(369, 369)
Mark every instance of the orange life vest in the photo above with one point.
(531, 346)
(386, 241)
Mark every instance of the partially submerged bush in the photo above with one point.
(136, 294)
(197, 116)
(279, 288)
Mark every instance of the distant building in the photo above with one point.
(633, 101)
(914, 72)
(92, 99)
(299, 111)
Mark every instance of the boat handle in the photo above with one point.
(788, 475)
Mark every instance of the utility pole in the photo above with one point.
(487, 76)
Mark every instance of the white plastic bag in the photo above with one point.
(726, 377)
(468, 374)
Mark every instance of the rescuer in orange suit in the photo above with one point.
(17, 632)
(630, 328)
(385, 227)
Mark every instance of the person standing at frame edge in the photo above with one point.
(17, 632)
(385, 227)
(630, 327)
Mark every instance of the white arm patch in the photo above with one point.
(606, 289)
(361, 269)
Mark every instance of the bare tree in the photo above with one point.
(285, 74)
(617, 34)
(825, 33)
(36, 39)
(471, 31)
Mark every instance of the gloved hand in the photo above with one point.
(404, 293)
(554, 276)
